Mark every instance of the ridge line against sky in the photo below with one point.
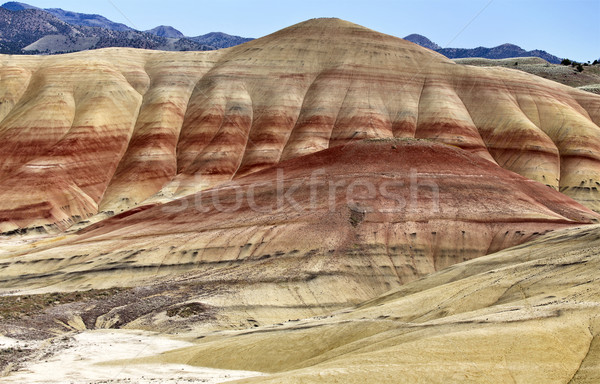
(565, 28)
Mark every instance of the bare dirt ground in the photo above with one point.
(91, 357)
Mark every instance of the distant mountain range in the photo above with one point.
(28, 29)
(73, 18)
(503, 51)
(219, 40)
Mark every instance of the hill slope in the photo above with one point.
(73, 18)
(220, 40)
(55, 30)
(526, 314)
(564, 74)
(166, 31)
(87, 20)
(38, 31)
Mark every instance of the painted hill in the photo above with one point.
(415, 207)
(214, 131)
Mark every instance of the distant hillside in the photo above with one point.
(16, 6)
(73, 18)
(587, 79)
(33, 30)
(220, 40)
(87, 20)
(28, 29)
(503, 51)
(166, 31)
(21, 28)
(422, 41)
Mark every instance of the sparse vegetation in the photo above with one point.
(187, 310)
(18, 307)
(578, 66)
(569, 73)
(13, 357)
(356, 217)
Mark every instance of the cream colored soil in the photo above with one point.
(86, 358)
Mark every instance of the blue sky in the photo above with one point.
(566, 28)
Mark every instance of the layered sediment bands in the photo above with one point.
(150, 161)
(449, 122)
(313, 233)
(526, 314)
(13, 84)
(68, 153)
(130, 127)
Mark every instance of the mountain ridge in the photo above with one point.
(503, 51)
(74, 18)
(220, 39)
(422, 41)
(37, 31)
(166, 31)
(26, 29)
